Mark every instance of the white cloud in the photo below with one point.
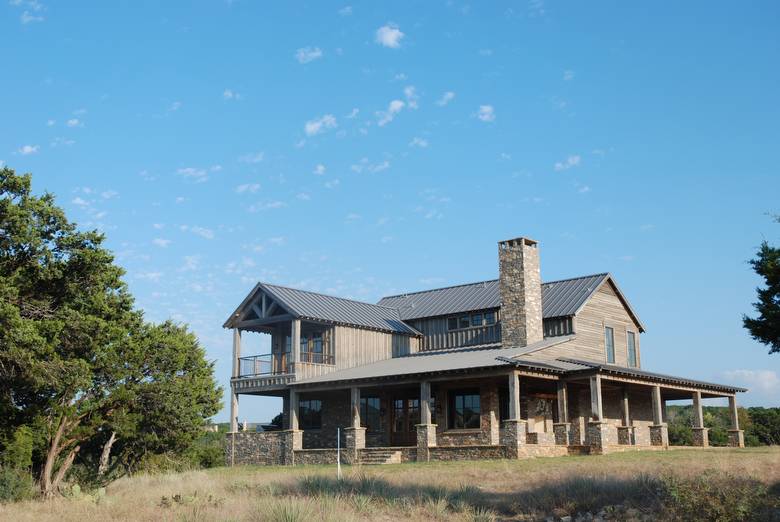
(175, 106)
(486, 52)
(74, 122)
(446, 98)
(109, 194)
(28, 17)
(418, 142)
(80, 112)
(268, 205)
(195, 174)
(583, 189)
(158, 226)
(331, 184)
(230, 94)
(56, 142)
(346, 10)
(51, 123)
(308, 54)
(30, 7)
(766, 381)
(206, 233)
(80, 202)
(352, 217)
(191, 263)
(571, 161)
(252, 157)
(411, 96)
(352, 114)
(568, 75)
(321, 124)
(162, 243)
(389, 36)
(387, 116)
(250, 188)
(150, 276)
(319, 169)
(486, 113)
(303, 196)
(366, 166)
(26, 150)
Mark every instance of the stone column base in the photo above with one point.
(561, 431)
(426, 439)
(626, 435)
(597, 437)
(540, 438)
(701, 437)
(354, 441)
(292, 440)
(736, 438)
(513, 433)
(659, 435)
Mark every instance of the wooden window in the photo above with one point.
(503, 404)
(609, 343)
(310, 414)
(464, 409)
(476, 319)
(490, 318)
(370, 413)
(452, 323)
(631, 345)
(463, 321)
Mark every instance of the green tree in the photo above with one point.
(765, 328)
(77, 361)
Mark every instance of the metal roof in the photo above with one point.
(435, 361)
(559, 298)
(636, 372)
(303, 304)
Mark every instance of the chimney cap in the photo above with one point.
(519, 241)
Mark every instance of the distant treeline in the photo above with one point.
(761, 425)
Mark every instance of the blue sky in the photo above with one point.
(368, 149)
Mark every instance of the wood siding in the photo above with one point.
(437, 336)
(603, 309)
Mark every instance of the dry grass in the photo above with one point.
(486, 490)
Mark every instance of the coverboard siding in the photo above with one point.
(603, 309)
(356, 347)
(437, 336)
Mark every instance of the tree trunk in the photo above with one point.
(51, 457)
(104, 457)
(64, 467)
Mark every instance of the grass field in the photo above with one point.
(718, 484)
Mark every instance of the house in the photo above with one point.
(505, 368)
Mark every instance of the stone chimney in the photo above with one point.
(520, 286)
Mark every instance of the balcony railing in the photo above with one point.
(265, 364)
(317, 358)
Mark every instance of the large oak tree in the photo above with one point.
(78, 364)
(765, 327)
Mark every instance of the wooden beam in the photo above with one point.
(295, 348)
(425, 402)
(355, 402)
(259, 313)
(270, 308)
(265, 306)
(658, 407)
(514, 396)
(698, 414)
(734, 413)
(253, 323)
(293, 413)
(625, 411)
(563, 402)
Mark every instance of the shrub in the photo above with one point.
(18, 451)
(15, 485)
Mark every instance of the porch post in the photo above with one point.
(659, 431)
(514, 429)
(355, 435)
(293, 438)
(295, 342)
(626, 430)
(597, 428)
(426, 430)
(736, 435)
(236, 371)
(700, 433)
(562, 427)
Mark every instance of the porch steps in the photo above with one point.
(380, 456)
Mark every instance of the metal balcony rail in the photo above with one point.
(317, 358)
(264, 364)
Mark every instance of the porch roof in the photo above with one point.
(438, 361)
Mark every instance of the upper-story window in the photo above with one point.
(631, 346)
(609, 343)
(474, 320)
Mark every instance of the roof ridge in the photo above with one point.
(331, 296)
(488, 281)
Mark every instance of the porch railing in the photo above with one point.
(317, 358)
(265, 364)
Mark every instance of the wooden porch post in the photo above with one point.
(293, 413)
(734, 412)
(700, 433)
(625, 408)
(736, 435)
(563, 402)
(596, 408)
(295, 348)
(659, 431)
(355, 402)
(658, 406)
(514, 396)
(425, 402)
(236, 371)
(513, 430)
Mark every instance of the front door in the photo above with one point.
(406, 416)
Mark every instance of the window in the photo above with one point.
(463, 321)
(310, 414)
(631, 340)
(452, 323)
(370, 413)
(476, 319)
(490, 318)
(503, 404)
(464, 409)
(609, 343)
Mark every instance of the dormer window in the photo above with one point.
(473, 320)
(631, 340)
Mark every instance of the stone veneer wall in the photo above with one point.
(450, 453)
(255, 448)
(489, 426)
(335, 414)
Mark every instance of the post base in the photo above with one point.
(736, 438)
(701, 437)
(659, 435)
